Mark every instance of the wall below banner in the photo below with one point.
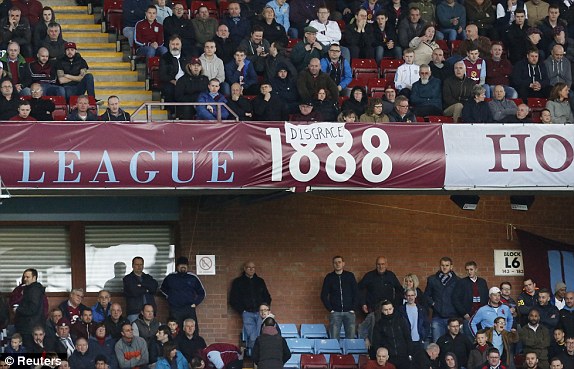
(292, 239)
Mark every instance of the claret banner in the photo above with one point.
(326, 155)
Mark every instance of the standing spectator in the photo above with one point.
(487, 314)
(30, 310)
(16, 28)
(132, 12)
(139, 289)
(548, 312)
(559, 294)
(567, 315)
(42, 109)
(567, 357)
(307, 49)
(527, 298)
(392, 332)
(417, 316)
(380, 284)
(454, 342)
(426, 96)
(179, 25)
(31, 10)
(171, 68)
(163, 11)
(148, 35)
(559, 106)
(340, 296)
(452, 21)
(439, 290)
(183, 290)
(471, 292)
(72, 71)
(204, 27)
(535, 338)
(248, 291)
(359, 37)
(270, 350)
(478, 355)
(427, 358)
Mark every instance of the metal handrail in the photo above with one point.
(148, 106)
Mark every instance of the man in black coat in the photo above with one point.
(393, 332)
(456, 342)
(30, 310)
(380, 284)
(171, 68)
(248, 291)
(189, 86)
(139, 289)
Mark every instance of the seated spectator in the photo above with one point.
(521, 115)
(41, 29)
(83, 357)
(224, 44)
(157, 344)
(374, 112)
(398, 11)
(357, 101)
(440, 68)
(516, 38)
(451, 18)
(171, 358)
(212, 66)
(240, 70)
(211, 112)
(475, 67)
(24, 112)
(117, 114)
(148, 35)
(284, 86)
(529, 77)
(337, 67)
(382, 360)
(476, 110)
(325, 105)
(9, 99)
(548, 24)
(133, 11)
(146, 325)
(498, 71)
(172, 322)
(407, 73)
(423, 45)
(359, 37)
(567, 43)
(115, 322)
(43, 71)
(482, 15)
(189, 87)
(427, 358)
(178, 24)
(557, 67)
(16, 28)
(302, 12)
(72, 71)
(385, 40)
(559, 104)
(537, 10)
(131, 351)
(42, 343)
(51, 323)
(457, 89)
(275, 58)
(31, 10)
(312, 79)
(222, 355)
(500, 107)
(474, 40)
(426, 94)
(307, 49)
(409, 27)
(101, 309)
(17, 69)
(402, 113)
(372, 7)
(239, 26)
(64, 343)
(204, 27)
(546, 118)
(273, 31)
(82, 111)
(347, 116)
(171, 68)
(239, 104)
(281, 10)
(256, 48)
(163, 11)
(54, 42)
(268, 105)
(306, 113)
(42, 109)
(506, 14)
(83, 327)
(189, 342)
(328, 31)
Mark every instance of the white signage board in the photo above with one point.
(508, 263)
(205, 264)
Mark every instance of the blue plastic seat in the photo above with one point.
(327, 346)
(289, 330)
(300, 345)
(294, 362)
(353, 346)
(313, 331)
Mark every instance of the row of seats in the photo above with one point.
(320, 361)
(62, 108)
(345, 346)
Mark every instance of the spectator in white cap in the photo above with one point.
(559, 294)
(486, 315)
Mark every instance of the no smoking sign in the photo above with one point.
(205, 264)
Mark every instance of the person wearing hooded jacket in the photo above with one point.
(393, 332)
(270, 350)
(189, 86)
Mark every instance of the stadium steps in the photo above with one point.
(112, 75)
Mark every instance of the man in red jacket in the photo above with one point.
(148, 36)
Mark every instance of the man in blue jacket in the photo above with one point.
(440, 287)
(139, 289)
(339, 295)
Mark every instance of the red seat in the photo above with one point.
(366, 74)
(342, 99)
(390, 65)
(356, 82)
(537, 103)
(223, 8)
(420, 119)
(110, 7)
(439, 119)
(152, 74)
(310, 361)
(376, 87)
(367, 68)
(337, 361)
(390, 77)
(290, 45)
(454, 45)
(342, 25)
(211, 7)
(444, 46)
(363, 360)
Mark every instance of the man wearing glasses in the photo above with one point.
(337, 67)
(73, 307)
(402, 113)
(248, 293)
